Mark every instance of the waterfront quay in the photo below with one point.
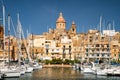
(57, 65)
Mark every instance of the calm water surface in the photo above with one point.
(57, 73)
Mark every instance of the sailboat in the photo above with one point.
(108, 69)
(101, 71)
(10, 71)
(35, 65)
(27, 68)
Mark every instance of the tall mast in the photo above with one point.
(109, 38)
(32, 46)
(100, 35)
(19, 38)
(28, 47)
(9, 39)
(88, 48)
(3, 8)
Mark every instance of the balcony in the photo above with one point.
(97, 55)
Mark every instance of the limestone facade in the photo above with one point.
(66, 44)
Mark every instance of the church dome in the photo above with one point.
(60, 19)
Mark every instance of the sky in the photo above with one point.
(39, 15)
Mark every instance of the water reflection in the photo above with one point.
(57, 73)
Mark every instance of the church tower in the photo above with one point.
(60, 23)
(73, 28)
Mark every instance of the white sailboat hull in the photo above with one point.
(22, 72)
(11, 74)
(1, 75)
(116, 73)
(29, 70)
(35, 67)
(88, 70)
(101, 72)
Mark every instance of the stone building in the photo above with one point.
(57, 43)
(68, 44)
(1, 41)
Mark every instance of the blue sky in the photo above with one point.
(39, 15)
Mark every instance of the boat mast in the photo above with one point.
(32, 46)
(3, 8)
(88, 49)
(109, 25)
(9, 40)
(19, 38)
(28, 53)
(100, 36)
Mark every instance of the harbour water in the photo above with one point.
(58, 73)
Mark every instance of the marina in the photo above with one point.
(59, 73)
(63, 51)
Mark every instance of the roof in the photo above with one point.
(61, 19)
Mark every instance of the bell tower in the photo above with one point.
(60, 23)
(73, 28)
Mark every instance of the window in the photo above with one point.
(102, 45)
(60, 24)
(97, 49)
(102, 54)
(69, 46)
(86, 50)
(97, 54)
(73, 29)
(97, 45)
(46, 51)
(102, 49)
(90, 40)
(86, 54)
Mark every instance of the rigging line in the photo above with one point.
(13, 27)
